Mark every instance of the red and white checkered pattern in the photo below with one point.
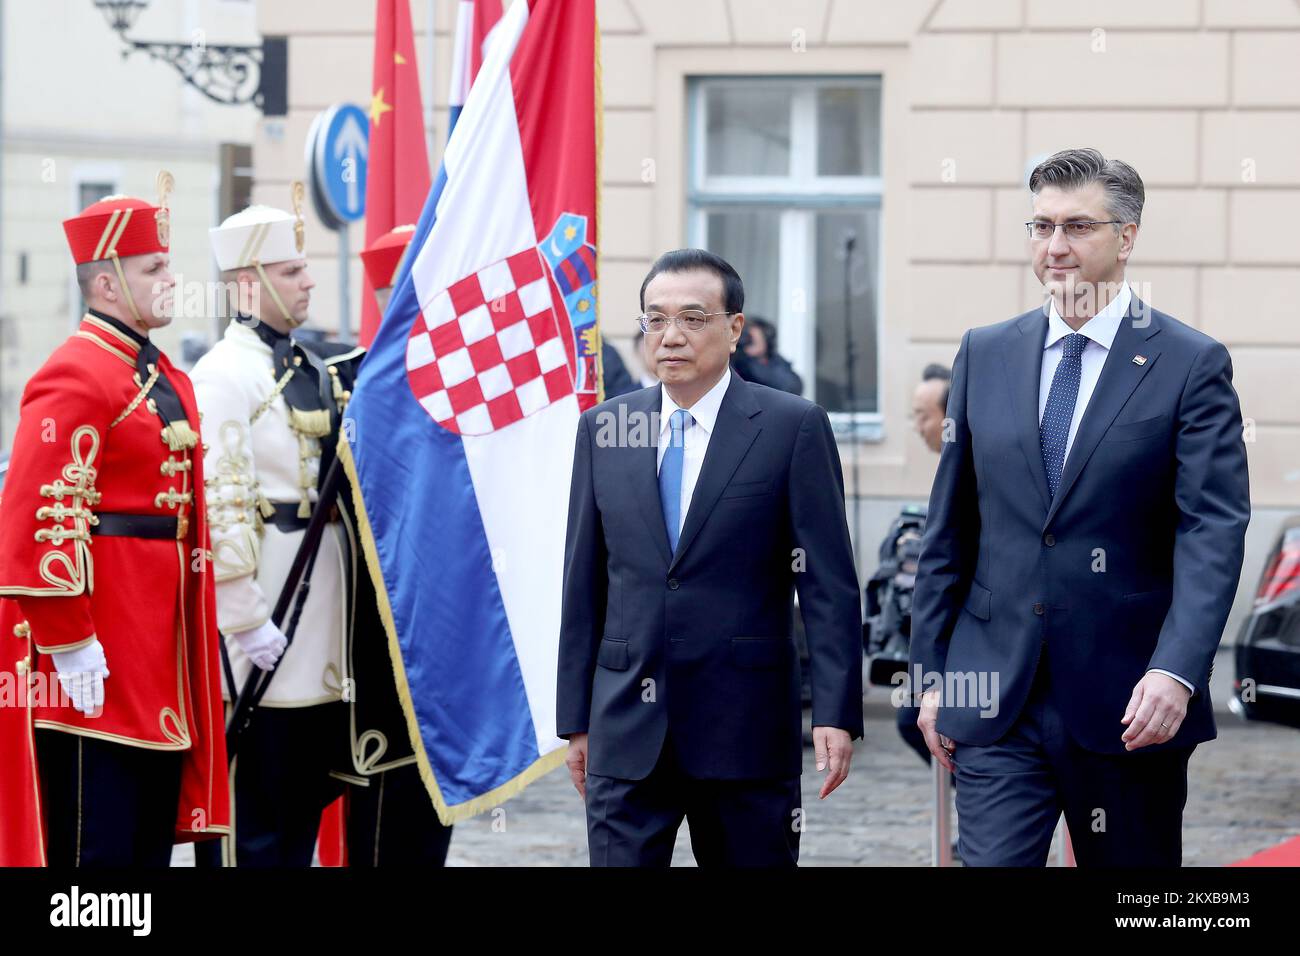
(487, 351)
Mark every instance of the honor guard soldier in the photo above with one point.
(269, 415)
(104, 553)
(390, 817)
(383, 261)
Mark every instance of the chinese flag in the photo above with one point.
(397, 180)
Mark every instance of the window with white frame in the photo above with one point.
(785, 185)
(90, 183)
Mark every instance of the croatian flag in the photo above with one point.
(460, 429)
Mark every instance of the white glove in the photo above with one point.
(262, 645)
(81, 675)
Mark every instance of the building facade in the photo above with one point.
(863, 162)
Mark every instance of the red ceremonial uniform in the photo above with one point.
(90, 442)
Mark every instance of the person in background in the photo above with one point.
(383, 261)
(617, 380)
(929, 405)
(758, 361)
(929, 408)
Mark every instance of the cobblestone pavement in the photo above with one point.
(1244, 796)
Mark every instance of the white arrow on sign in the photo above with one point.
(351, 142)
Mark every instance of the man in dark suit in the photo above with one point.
(1083, 545)
(697, 509)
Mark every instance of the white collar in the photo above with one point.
(239, 332)
(704, 412)
(1101, 328)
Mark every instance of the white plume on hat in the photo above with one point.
(258, 234)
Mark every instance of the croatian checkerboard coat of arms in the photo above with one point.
(510, 339)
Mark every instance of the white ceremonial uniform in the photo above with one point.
(253, 458)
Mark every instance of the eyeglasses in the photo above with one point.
(692, 320)
(1075, 228)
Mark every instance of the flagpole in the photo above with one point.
(292, 599)
(345, 294)
(429, 114)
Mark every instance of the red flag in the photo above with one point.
(398, 165)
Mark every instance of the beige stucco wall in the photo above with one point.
(74, 109)
(1194, 93)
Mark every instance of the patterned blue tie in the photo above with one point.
(1055, 427)
(670, 475)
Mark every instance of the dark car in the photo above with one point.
(1267, 683)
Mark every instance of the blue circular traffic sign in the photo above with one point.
(338, 147)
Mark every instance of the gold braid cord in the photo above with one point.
(233, 504)
(306, 425)
(77, 483)
(154, 372)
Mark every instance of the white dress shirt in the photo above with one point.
(1100, 330)
(695, 438)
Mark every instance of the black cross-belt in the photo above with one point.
(286, 517)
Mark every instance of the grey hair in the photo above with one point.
(1073, 168)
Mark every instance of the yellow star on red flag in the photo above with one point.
(378, 107)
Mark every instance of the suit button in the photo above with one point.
(672, 584)
(1038, 609)
(1049, 539)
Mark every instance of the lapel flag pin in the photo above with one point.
(1139, 360)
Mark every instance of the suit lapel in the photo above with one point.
(1119, 377)
(641, 468)
(1024, 366)
(733, 433)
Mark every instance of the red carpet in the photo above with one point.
(1284, 854)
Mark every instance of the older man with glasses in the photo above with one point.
(690, 528)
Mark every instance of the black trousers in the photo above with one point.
(732, 822)
(282, 784)
(392, 822)
(1122, 810)
(107, 804)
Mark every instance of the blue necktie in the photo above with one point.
(670, 475)
(1055, 427)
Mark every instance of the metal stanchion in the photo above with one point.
(941, 830)
(1065, 849)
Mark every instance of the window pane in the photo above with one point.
(748, 131)
(751, 242)
(90, 193)
(848, 128)
(840, 348)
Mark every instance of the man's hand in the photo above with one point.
(1155, 711)
(576, 761)
(262, 645)
(81, 675)
(834, 748)
(940, 746)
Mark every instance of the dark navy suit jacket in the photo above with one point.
(1133, 565)
(697, 646)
